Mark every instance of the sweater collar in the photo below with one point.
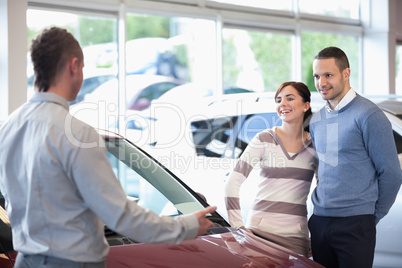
(350, 95)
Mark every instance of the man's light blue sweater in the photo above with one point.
(358, 170)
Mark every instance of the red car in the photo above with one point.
(160, 190)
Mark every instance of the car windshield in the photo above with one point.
(150, 184)
(229, 136)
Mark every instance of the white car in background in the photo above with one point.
(388, 251)
(200, 141)
(201, 138)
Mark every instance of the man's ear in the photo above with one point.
(73, 65)
(346, 73)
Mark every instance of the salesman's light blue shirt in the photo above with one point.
(60, 189)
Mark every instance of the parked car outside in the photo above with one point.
(153, 55)
(100, 107)
(140, 90)
(90, 83)
(191, 92)
(139, 126)
(166, 194)
(149, 55)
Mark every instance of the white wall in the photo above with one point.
(383, 26)
(13, 78)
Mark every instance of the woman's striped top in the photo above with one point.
(279, 211)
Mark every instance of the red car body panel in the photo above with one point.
(226, 250)
(7, 260)
(231, 249)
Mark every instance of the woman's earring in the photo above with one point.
(304, 110)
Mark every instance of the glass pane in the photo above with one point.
(211, 137)
(149, 183)
(97, 37)
(256, 61)
(167, 52)
(138, 187)
(257, 123)
(398, 142)
(278, 5)
(398, 69)
(341, 8)
(313, 42)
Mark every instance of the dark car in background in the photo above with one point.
(165, 194)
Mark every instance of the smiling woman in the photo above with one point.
(283, 184)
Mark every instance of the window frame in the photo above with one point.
(224, 14)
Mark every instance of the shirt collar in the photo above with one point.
(49, 97)
(350, 95)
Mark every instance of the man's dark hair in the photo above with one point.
(341, 60)
(50, 52)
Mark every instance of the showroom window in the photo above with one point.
(164, 52)
(171, 51)
(97, 36)
(183, 49)
(179, 49)
(313, 42)
(175, 44)
(256, 60)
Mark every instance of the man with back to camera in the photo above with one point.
(59, 195)
(358, 171)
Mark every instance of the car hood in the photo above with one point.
(230, 249)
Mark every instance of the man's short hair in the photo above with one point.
(341, 60)
(50, 52)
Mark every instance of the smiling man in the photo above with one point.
(358, 171)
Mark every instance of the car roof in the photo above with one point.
(134, 82)
(392, 106)
(222, 105)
